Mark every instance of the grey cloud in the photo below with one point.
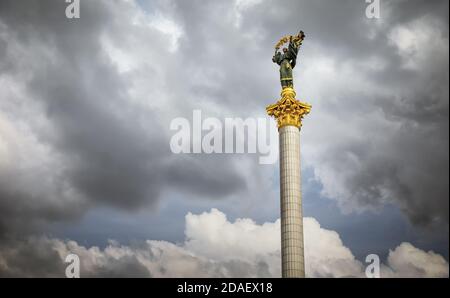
(109, 127)
(209, 170)
(402, 155)
(242, 253)
(114, 151)
(30, 257)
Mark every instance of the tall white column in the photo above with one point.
(289, 113)
(292, 248)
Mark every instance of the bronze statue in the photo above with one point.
(288, 59)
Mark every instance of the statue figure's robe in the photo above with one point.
(287, 62)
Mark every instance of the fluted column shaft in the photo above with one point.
(292, 248)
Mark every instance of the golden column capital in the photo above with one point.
(288, 110)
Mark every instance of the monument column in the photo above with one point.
(289, 112)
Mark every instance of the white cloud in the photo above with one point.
(325, 254)
(217, 247)
(408, 261)
(211, 235)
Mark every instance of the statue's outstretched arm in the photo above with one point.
(276, 58)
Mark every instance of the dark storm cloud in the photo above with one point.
(112, 149)
(113, 152)
(30, 258)
(409, 165)
(401, 157)
(41, 257)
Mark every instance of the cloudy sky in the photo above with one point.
(85, 160)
